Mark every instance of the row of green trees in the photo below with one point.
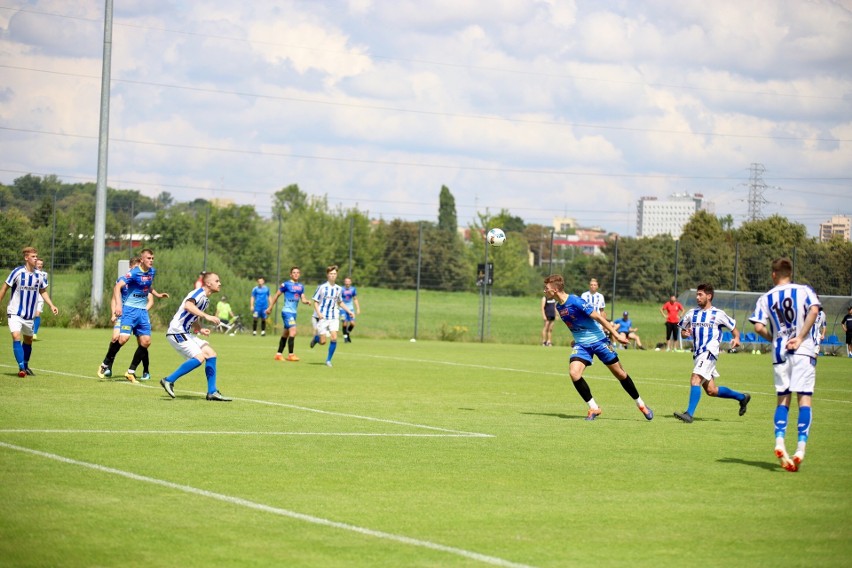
(304, 230)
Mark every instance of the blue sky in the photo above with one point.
(544, 108)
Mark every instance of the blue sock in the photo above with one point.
(184, 368)
(804, 423)
(316, 339)
(694, 397)
(18, 350)
(725, 392)
(28, 350)
(332, 345)
(210, 371)
(781, 412)
(36, 324)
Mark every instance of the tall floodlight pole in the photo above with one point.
(101, 191)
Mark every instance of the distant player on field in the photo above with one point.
(40, 304)
(258, 304)
(820, 326)
(27, 286)
(846, 324)
(349, 295)
(584, 320)
(704, 325)
(327, 303)
(195, 349)
(294, 294)
(785, 316)
(595, 299)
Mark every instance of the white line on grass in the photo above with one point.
(492, 560)
(458, 433)
(677, 383)
(226, 433)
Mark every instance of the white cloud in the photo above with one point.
(380, 103)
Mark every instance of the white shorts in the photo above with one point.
(705, 366)
(796, 374)
(326, 325)
(17, 324)
(39, 305)
(187, 344)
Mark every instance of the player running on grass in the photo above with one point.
(704, 324)
(327, 306)
(294, 294)
(583, 320)
(194, 348)
(27, 286)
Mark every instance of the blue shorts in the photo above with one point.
(135, 321)
(603, 349)
(259, 312)
(289, 319)
(346, 316)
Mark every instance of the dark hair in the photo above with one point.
(707, 289)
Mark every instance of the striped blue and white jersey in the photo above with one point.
(44, 275)
(328, 296)
(706, 328)
(596, 300)
(25, 288)
(783, 311)
(40, 301)
(183, 320)
(816, 331)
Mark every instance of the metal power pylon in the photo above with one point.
(756, 187)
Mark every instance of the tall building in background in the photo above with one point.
(837, 225)
(666, 216)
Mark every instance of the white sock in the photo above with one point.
(592, 404)
(640, 403)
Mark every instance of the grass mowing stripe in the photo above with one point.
(494, 561)
(231, 433)
(458, 433)
(681, 384)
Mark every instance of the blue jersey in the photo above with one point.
(26, 290)
(261, 298)
(706, 328)
(348, 296)
(139, 285)
(623, 325)
(292, 296)
(124, 291)
(577, 316)
(328, 296)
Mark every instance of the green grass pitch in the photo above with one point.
(409, 454)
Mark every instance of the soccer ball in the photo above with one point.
(496, 237)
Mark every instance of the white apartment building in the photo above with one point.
(666, 216)
(837, 225)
